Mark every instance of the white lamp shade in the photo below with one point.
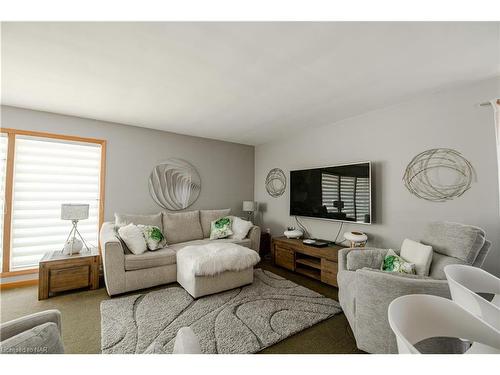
(249, 206)
(74, 211)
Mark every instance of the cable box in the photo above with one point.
(316, 242)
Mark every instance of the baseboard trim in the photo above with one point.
(19, 284)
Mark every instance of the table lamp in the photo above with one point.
(249, 207)
(75, 213)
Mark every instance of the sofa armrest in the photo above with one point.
(113, 260)
(375, 290)
(25, 323)
(254, 236)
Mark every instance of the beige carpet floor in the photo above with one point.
(81, 318)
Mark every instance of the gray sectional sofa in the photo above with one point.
(124, 271)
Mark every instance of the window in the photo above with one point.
(3, 163)
(48, 170)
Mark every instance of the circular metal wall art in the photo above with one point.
(174, 184)
(439, 175)
(275, 182)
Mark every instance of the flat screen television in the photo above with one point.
(340, 192)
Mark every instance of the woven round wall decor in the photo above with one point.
(275, 182)
(439, 175)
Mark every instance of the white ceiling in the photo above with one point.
(241, 82)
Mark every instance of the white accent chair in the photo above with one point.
(417, 317)
(186, 342)
(465, 282)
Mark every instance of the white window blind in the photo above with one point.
(362, 198)
(347, 195)
(3, 164)
(354, 192)
(47, 173)
(330, 191)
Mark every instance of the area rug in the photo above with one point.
(242, 320)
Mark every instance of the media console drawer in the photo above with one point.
(329, 271)
(317, 263)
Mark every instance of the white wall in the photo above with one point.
(226, 169)
(390, 138)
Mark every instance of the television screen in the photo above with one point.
(340, 192)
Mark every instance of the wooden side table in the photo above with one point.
(59, 272)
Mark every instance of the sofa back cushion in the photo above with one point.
(455, 240)
(439, 261)
(371, 258)
(126, 219)
(207, 216)
(182, 226)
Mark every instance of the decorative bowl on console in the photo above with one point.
(293, 233)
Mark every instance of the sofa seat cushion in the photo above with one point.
(182, 226)
(455, 240)
(178, 246)
(150, 259)
(207, 216)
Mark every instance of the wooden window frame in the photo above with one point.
(9, 185)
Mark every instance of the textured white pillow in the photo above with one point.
(419, 254)
(134, 239)
(240, 228)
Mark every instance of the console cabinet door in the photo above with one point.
(329, 272)
(284, 258)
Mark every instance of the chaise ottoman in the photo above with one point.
(215, 267)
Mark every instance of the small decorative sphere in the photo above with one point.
(72, 246)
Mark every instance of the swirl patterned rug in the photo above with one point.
(242, 320)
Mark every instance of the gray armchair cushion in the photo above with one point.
(455, 240)
(27, 322)
(207, 216)
(42, 339)
(125, 219)
(439, 261)
(182, 226)
(371, 258)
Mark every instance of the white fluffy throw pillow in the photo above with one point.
(240, 228)
(134, 239)
(419, 254)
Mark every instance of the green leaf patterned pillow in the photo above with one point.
(153, 236)
(221, 228)
(394, 263)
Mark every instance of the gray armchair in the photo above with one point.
(365, 292)
(38, 333)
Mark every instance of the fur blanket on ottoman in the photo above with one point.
(215, 258)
